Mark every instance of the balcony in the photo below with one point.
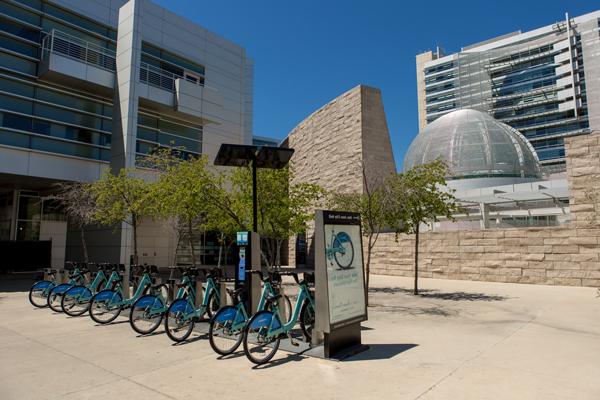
(67, 57)
(160, 88)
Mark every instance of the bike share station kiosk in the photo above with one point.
(340, 296)
(240, 155)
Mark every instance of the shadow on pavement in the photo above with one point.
(280, 361)
(436, 310)
(381, 351)
(436, 294)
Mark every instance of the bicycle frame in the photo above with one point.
(186, 284)
(241, 316)
(144, 282)
(198, 312)
(275, 326)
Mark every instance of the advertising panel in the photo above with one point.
(344, 261)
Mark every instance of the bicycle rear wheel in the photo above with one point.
(38, 294)
(146, 314)
(179, 321)
(76, 301)
(105, 306)
(285, 308)
(260, 348)
(307, 320)
(222, 338)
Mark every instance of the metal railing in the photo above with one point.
(161, 78)
(73, 47)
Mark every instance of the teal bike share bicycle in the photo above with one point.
(226, 329)
(77, 276)
(182, 313)
(148, 311)
(76, 300)
(265, 329)
(106, 305)
(38, 294)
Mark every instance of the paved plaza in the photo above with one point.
(458, 340)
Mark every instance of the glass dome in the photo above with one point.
(476, 146)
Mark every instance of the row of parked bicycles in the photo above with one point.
(99, 290)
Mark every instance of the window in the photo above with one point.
(18, 46)
(19, 64)
(20, 30)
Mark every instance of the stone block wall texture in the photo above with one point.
(333, 143)
(565, 255)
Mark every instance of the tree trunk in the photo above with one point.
(191, 242)
(135, 246)
(221, 241)
(86, 257)
(368, 268)
(278, 252)
(416, 291)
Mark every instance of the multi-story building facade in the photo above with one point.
(544, 83)
(85, 85)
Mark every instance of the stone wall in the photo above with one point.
(566, 255)
(333, 143)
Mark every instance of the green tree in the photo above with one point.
(416, 197)
(182, 195)
(371, 206)
(123, 198)
(283, 209)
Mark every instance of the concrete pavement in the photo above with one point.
(458, 340)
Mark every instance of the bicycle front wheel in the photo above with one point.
(55, 297)
(105, 306)
(76, 301)
(38, 294)
(259, 347)
(146, 314)
(179, 321)
(222, 337)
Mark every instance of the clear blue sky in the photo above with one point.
(308, 52)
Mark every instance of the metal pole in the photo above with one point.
(254, 198)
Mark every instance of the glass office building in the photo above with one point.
(544, 83)
(85, 86)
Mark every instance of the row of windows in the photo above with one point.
(169, 140)
(22, 123)
(526, 87)
(18, 46)
(439, 78)
(23, 88)
(524, 65)
(13, 28)
(170, 127)
(543, 119)
(549, 154)
(523, 54)
(51, 145)
(171, 58)
(557, 129)
(438, 68)
(57, 12)
(436, 99)
(526, 111)
(527, 75)
(440, 88)
(19, 64)
(542, 144)
(525, 99)
(50, 112)
(443, 107)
